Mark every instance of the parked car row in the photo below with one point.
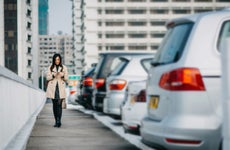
(172, 98)
(183, 87)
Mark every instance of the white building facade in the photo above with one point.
(19, 37)
(78, 35)
(51, 44)
(130, 25)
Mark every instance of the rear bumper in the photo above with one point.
(155, 133)
(113, 102)
(85, 101)
(98, 101)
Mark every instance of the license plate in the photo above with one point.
(153, 102)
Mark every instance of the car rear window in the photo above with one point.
(89, 72)
(146, 63)
(119, 67)
(224, 33)
(104, 66)
(173, 44)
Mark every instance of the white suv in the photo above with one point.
(183, 86)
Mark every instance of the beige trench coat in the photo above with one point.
(50, 92)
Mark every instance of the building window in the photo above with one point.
(114, 0)
(157, 35)
(137, 23)
(115, 23)
(99, 48)
(29, 75)
(28, 13)
(99, 23)
(158, 0)
(114, 11)
(154, 47)
(28, 25)
(29, 63)
(181, 11)
(117, 47)
(11, 33)
(137, 47)
(28, 2)
(181, 0)
(137, 11)
(159, 11)
(136, 0)
(11, 7)
(157, 23)
(6, 47)
(99, 11)
(202, 10)
(28, 37)
(116, 35)
(29, 50)
(99, 35)
(203, 1)
(137, 35)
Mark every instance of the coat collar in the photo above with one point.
(55, 70)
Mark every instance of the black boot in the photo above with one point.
(55, 112)
(59, 113)
(58, 122)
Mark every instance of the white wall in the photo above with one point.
(19, 102)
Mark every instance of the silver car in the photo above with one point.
(129, 68)
(183, 86)
(134, 108)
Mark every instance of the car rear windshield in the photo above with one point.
(104, 66)
(120, 66)
(146, 63)
(224, 34)
(89, 72)
(173, 44)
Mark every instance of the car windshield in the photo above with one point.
(173, 44)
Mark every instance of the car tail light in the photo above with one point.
(117, 84)
(141, 97)
(72, 92)
(179, 141)
(99, 82)
(133, 127)
(182, 79)
(88, 81)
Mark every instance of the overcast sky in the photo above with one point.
(60, 16)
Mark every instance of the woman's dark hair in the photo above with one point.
(53, 62)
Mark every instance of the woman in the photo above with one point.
(57, 75)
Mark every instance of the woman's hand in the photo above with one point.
(54, 74)
(60, 75)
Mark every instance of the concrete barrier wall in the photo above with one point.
(19, 101)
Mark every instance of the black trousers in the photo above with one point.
(57, 109)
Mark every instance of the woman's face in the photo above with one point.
(57, 61)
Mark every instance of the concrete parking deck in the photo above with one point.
(78, 131)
